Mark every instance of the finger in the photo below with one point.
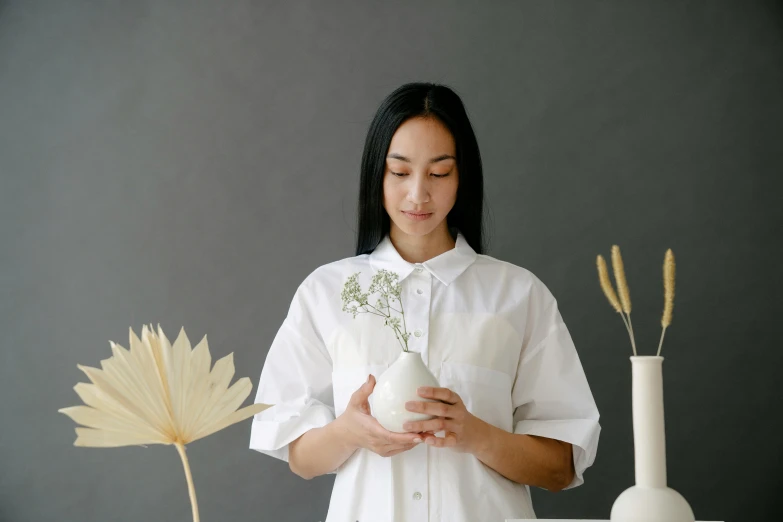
(395, 447)
(384, 449)
(390, 437)
(428, 435)
(432, 425)
(450, 440)
(399, 450)
(404, 438)
(437, 409)
(439, 394)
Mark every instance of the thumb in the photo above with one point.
(360, 396)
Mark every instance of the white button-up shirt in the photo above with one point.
(487, 329)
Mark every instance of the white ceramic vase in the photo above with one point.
(398, 385)
(650, 500)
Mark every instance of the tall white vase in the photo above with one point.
(398, 385)
(650, 500)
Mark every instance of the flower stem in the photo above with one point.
(630, 331)
(400, 339)
(191, 490)
(661, 342)
(404, 326)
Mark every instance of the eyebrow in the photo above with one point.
(436, 159)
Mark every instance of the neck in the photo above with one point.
(418, 249)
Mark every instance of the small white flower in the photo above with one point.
(386, 284)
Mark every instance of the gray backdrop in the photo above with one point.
(190, 162)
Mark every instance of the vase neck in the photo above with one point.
(648, 421)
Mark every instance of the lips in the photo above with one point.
(417, 216)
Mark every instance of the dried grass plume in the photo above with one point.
(622, 305)
(619, 276)
(606, 284)
(668, 294)
(668, 288)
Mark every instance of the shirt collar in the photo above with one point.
(446, 266)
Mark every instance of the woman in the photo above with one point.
(514, 409)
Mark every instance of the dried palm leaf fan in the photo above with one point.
(159, 393)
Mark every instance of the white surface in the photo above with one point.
(568, 520)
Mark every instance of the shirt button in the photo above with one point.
(417, 496)
(419, 291)
(418, 269)
(417, 333)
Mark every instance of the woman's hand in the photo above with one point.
(362, 430)
(464, 431)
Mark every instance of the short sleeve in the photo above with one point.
(296, 380)
(551, 397)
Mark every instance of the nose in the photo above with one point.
(419, 190)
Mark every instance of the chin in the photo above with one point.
(420, 230)
(417, 233)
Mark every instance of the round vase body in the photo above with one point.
(638, 504)
(398, 385)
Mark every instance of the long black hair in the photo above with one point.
(431, 101)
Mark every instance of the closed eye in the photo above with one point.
(402, 174)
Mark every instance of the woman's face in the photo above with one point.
(421, 178)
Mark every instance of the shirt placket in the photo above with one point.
(415, 491)
(417, 314)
